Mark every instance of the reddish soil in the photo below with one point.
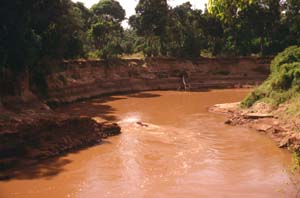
(261, 117)
(29, 135)
(30, 130)
(83, 79)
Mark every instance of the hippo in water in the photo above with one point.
(142, 124)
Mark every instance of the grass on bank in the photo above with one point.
(283, 84)
(296, 162)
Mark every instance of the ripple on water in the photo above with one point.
(177, 149)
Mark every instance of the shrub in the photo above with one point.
(283, 82)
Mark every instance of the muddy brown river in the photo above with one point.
(170, 146)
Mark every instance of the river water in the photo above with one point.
(170, 146)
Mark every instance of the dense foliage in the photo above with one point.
(284, 81)
(35, 30)
(34, 33)
(225, 28)
(106, 32)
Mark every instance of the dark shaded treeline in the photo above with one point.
(36, 33)
(224, 28)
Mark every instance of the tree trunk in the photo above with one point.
(261, 45)
(15, 88)
(162, 46)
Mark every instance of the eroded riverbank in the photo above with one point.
(30, 129)
(35, 133)
(83, 79)
(178, 150)
(261, 117)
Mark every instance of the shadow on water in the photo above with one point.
(26, 169)
(99, 107)
(29, 170)
(143, 95)
(199, 90)
(92, 108)
(23, 169)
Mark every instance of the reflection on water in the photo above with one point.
(170, 147)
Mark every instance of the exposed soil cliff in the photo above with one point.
(30, 130)
(35, 133)
(81, 79)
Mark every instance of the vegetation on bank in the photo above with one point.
(296, 162)
(36, 31)
(34, 34)
(283, 84)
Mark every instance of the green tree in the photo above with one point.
(33, 33)
(129, 40)
(213, 31)
(19, 42)
(248, 22)
(291, 22)
(83, 16)
(106, 31)
(184, 31)
(109, 9)
(106, 37)
(228, 12)
(150, 22)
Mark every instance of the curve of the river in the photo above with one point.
(170, 146)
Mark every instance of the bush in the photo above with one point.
(283, 82)
(289, 55)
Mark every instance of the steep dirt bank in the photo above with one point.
(30, 130)
(33, 134)
(82, 79)
(263, 118)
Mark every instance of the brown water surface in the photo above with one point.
(171, 146)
